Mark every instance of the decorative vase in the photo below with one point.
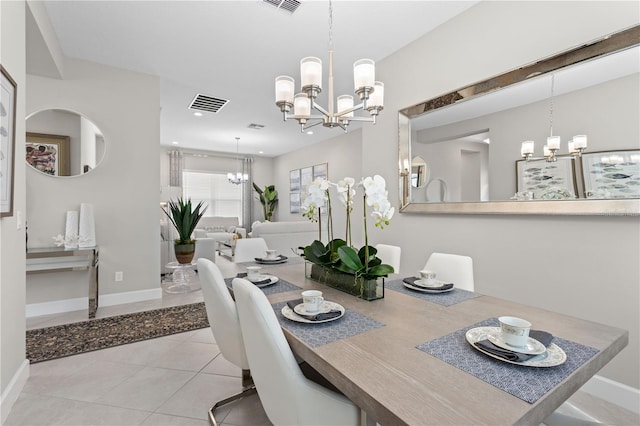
(370, 289)
(184, 252)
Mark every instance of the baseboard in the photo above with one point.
(129, 297)
(81, 303)
(614, 392)
(12, 392)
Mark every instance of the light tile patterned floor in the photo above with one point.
(171, 380)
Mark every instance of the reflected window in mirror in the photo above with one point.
(63, 143)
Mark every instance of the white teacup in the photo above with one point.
(428, 276)
(515, 331)
(271, 254)
(312, 300)
(253, 272)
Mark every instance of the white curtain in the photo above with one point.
(175, 168)
(247, 193)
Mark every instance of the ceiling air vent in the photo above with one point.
(288, 5)
(207, 103)
(255, 126)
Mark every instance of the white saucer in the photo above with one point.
(532, 347)
(272, 280)
(325, 307)
(552, 357)
(426, 289)
(301, 310)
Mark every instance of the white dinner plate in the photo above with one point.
(276, 261)
(426, 284)
(532, 347)
(326, 306)
(272, 280)
(425, 289)
(552, 357)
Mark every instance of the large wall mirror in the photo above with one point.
(471, 138)
(63, 143)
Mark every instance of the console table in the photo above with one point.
(58, 259)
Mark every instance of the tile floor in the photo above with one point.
(171, 380)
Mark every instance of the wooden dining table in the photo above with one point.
(384, 373)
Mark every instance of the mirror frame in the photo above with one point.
(626, 207)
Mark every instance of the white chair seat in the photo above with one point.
(287, 396)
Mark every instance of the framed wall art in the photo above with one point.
(48, 154)
(320, 171)
(611, 174)
(547, 180)
(294, 202)
(8, 95)
(294, 180)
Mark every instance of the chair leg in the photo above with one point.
(248, 388)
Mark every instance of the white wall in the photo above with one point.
(14, 368)
(123, 189)
(557, 263)
(342, 154)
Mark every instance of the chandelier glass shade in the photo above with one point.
(238, 177)
(340, 114)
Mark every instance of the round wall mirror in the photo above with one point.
(63, 143)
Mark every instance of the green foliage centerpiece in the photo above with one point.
(338, 264)
(185, 218)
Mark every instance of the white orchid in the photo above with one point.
(315, 199)
(346, 191)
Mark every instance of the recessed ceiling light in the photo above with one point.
(260, 152)
(309, 132)
(197, 114)
(175, 142)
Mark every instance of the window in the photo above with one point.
(221, 197)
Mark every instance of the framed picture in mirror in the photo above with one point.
(7, 140)
(611, 174)
(547, 180)
(48, 154)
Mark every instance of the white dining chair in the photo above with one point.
(452, 268)
(288, 397)
(225, 326)
(390, 255)
(247, 249)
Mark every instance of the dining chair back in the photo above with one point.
(247, 249)
(390, 255)
(225, 326)
(288, 397)
(452, 268)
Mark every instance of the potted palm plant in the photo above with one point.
(185, 217)
(268, 198)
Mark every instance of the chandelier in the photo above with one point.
(370, 92)
(576, 146)
(237, 178)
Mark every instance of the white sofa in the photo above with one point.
(285, 237)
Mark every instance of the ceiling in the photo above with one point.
(234, 50)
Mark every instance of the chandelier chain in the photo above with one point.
(551, 106)
(330, 25)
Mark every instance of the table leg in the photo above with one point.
(93, 285)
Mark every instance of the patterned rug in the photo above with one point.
(48, 343)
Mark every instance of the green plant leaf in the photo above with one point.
(350, 258)
(381, 270)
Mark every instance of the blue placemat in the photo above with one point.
(526, 383)
(280, 287)
(314, 335)
(449, 298)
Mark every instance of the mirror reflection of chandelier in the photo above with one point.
(371, 92)
(575, 146)
(237, 178)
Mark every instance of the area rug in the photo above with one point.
(70, 339)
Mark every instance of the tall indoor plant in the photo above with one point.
(268, 198)
(338, 263)
(185, 217)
